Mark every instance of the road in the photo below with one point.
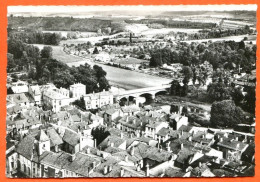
(122, 78)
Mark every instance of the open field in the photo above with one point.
(152, 32)
(64, 33)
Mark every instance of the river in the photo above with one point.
(122, 78)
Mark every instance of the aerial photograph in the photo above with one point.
(131, 91)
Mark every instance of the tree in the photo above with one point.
(175, 88)
(95, 51)
(99, 71)
(250, 99)
(219, 91)
(80, 103)
(237, 95)
(99, 133)
(226, 114)
(46, 52)
(188, 73)
(130, 37)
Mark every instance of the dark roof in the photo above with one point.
(232, 144)
(174, 172)
(184, 155)
(81, 164)
(57, 160)
(25, 147)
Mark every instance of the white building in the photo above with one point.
(19, 87)
(56, 98)
(77, 90)
(35, 92)
(103, 57)
(178, 120)
(97, 100)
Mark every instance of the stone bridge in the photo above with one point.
(151, 91)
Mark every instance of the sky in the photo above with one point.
(68, 9)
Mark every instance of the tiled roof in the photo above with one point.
(183, 155)
(54, 137)
(81, 164)
(42, 137)
(111, 139)
(131, 122)
(232, 144)
(174, 172)
(25, 147)
(71, 137)
(79, 126)
(111, 111)
(57, 160)
(164, 131)
(131, 108)
(17, 98)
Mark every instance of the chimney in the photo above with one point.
(147, 170)
(110, 168)
(126, 120)
(105, 170)
(200, 164)
(221, 139)
(190, 138)
(95, 143)
(131, 135)
(236, 138)
(138, 168)
(132, 151)
(122, 171)
(121, 135)
(134, 121)
(112, 144)
(181, 132)
(179, 135)
(182, 146)
(88, 150)
(237, 146)
(72, 157)
(108, 142)
(126, 158)
(94, 164)
(56, 148)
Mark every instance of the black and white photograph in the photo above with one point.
(131, 91)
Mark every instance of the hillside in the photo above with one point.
(63, 24)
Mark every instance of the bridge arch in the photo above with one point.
(148, 97)
(123, 101)
(161, 92)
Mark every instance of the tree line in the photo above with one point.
(227, 54)
(37, 37)
(42, 68)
